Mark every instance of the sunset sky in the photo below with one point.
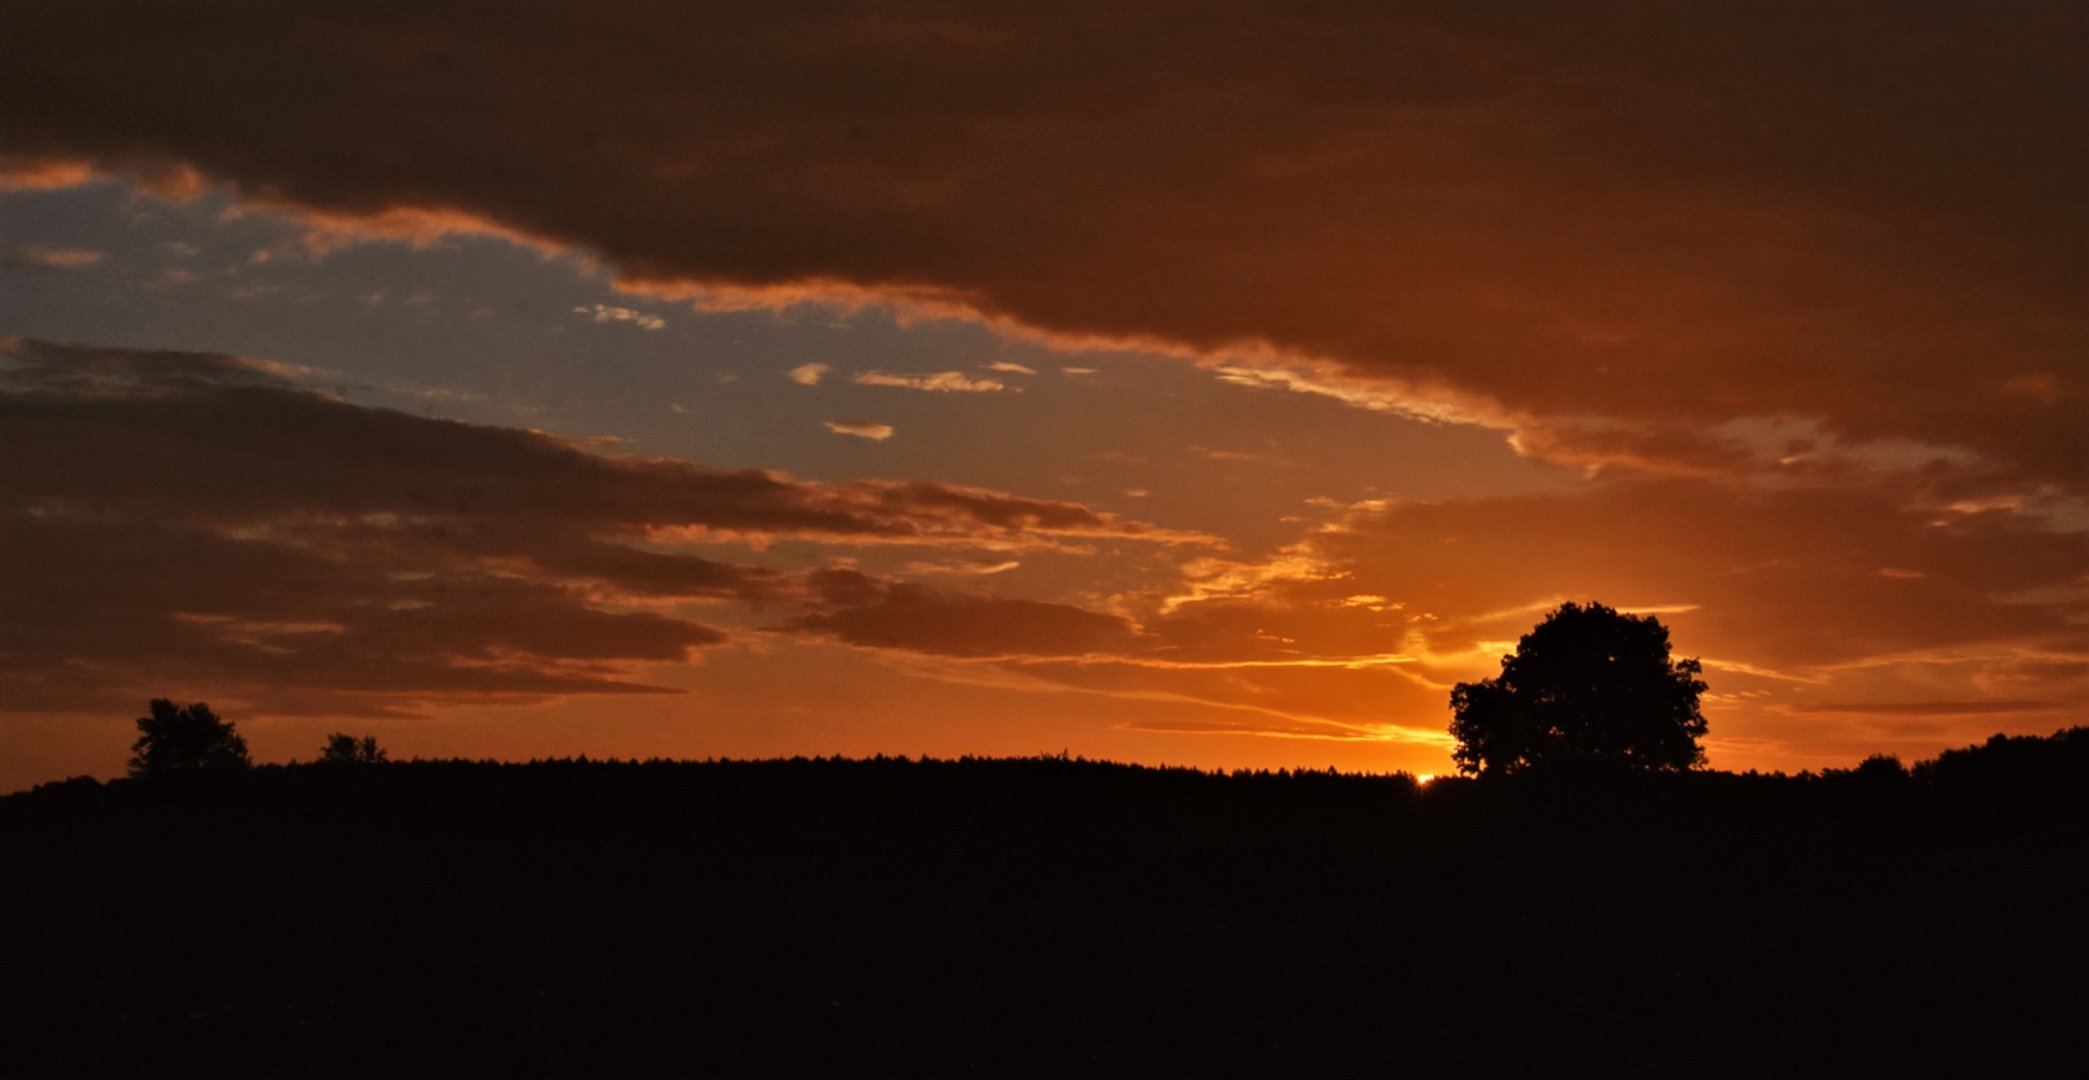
(1209, 384)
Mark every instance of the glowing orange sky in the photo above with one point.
(1146, 384)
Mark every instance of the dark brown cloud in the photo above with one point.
(1873, 215)
(181, 519)
(100, 607)
(861, 610)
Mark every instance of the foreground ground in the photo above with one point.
(1047, 917)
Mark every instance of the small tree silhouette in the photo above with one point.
(1588, 687)
(185, 739)
(344, 749)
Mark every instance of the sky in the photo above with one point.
(1200, 384)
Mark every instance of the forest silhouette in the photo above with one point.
(1047, 916)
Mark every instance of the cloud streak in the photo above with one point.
(51, 257)
(861, 429)
(941, 382)
(606, 313)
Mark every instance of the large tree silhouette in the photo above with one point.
(176, 739)
(1587, 688)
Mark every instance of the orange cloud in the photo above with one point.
(1925, 708)
(862, 429)
(942, 382)
(42, 174)
(51, 257)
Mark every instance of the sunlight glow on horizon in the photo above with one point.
(1241, 413)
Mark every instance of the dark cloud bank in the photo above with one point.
(199, 519)
(1605, 226)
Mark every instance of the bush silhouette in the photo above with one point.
(173, 740)
(345, 749)
(1587, 688)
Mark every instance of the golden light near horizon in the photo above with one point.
(960, 382)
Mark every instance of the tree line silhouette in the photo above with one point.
(1589, 689)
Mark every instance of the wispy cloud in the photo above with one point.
(605, 313)
(980, 567)
(862, 429)
(808, 374)
(1921, 708)
(52, 257)
(1212, 454)
(944, 382)
(1010, 368)
(1289, 728)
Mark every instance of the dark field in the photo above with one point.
(1048, 917)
